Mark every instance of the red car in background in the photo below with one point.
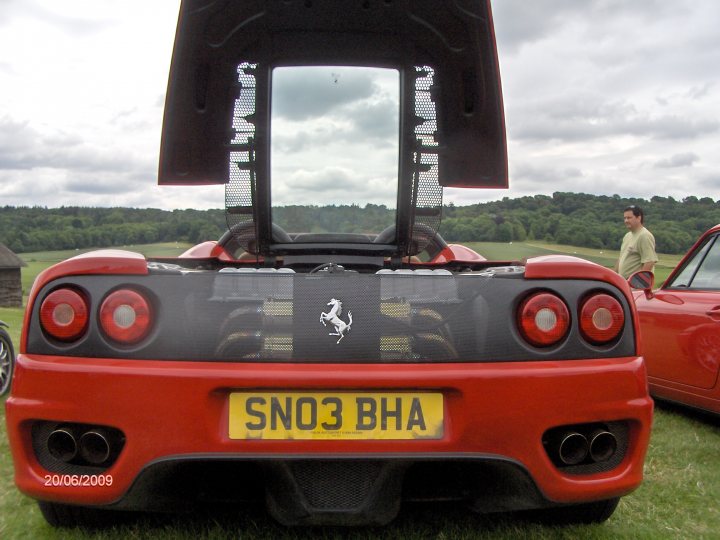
(680, 328)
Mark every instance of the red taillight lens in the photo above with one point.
(64, 314)
(543, 319)
(601, 319)
(125, 316)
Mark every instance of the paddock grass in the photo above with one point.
(678, 498)
(515, 251)
(37, 261)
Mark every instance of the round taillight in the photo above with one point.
(125, 316)
(543, 319)
(64, 314)
(601, 319)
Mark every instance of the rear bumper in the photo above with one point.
(173, 412)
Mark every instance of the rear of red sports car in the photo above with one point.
(143, 385)
(332, 374)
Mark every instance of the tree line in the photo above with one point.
(564, 218)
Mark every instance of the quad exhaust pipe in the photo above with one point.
(62, 444)
(575, 445)
(573, 448)
(85, 445)
(95, 447)
(603, 445)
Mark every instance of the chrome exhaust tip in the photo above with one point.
(62, 445)
(573, 448)
(603, 445)
(95, 447)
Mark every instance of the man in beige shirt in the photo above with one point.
(638, 245)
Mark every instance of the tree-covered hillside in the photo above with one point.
(563, 218)
(581, 220)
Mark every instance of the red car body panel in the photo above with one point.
(681, 338)
(172, 409)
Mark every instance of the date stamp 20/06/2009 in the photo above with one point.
(78, 480)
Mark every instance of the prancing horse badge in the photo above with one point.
(333, 316)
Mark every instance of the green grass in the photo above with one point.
(678, 498)
(515, 251)
(161, 249)
(37, 261)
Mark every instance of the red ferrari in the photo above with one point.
(680, 327)
(333, 368)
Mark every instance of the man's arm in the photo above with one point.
(646, 248)
(648, 266)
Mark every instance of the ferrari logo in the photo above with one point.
(333, 316)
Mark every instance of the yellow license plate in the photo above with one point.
(336, 415)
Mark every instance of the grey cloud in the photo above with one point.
(364, 123)
(305, 93)
(686, 159)
(88, 184)
(526, 174)
(315, 137)
(709, 183)
(23, 147)
(590, 117)
(572, 172)
(519, 22)
(672, 127)
(333, 185)
(323, 181)
(701, 91)
(631, 87)
(378, 119)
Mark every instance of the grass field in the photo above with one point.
(39, 260)
(518, 251)
(677, 500)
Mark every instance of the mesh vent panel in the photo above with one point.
(241, 185)
(343, 318)
(335, 485)
(427, 192)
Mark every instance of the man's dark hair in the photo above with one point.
(637, 212)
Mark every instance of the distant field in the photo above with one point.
(162, 249)
(37, 261)
(514, 251)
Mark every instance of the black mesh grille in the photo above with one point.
(275, 315)
(427, 192)
(241, 185)
(390, 316)
(336, 485)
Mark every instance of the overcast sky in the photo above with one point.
(601, 96)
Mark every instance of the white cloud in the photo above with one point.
(601, 96)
